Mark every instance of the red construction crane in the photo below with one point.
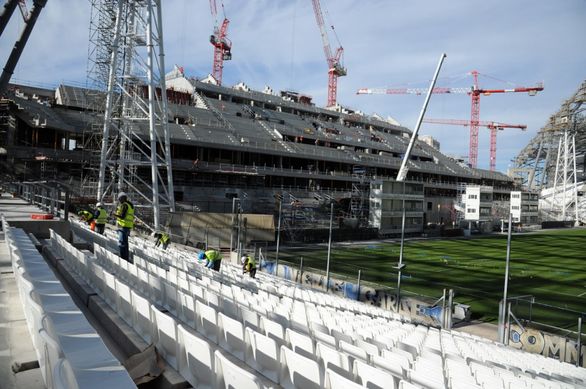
(475, 92)
(492, 126)
(222, 45)
(335, 67)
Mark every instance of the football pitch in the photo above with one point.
(549, 265)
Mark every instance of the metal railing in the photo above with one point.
(50, 196)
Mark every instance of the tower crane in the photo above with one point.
(475, 92)
(30, 18)
(492, 126)
(222, 45)
(335, 67)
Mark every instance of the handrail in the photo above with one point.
(46, 195)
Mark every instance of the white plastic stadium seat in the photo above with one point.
(273, 330)
(124, 302)
(186, 308)
(141, 316)
(165, 330)
(206, 321)
(231, 336)
(298, 371)
(299, 341)
(407, 385)
(262, 354)
(330, 356)
(371, 377)
(334, 381)
(68, 377)
(354, 351)
(229, 375)
(195, 358)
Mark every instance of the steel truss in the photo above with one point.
(135, 155)
(565, 190)
(536, 163)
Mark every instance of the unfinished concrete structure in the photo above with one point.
(229, 142)
(553, 162)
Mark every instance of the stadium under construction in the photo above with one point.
(182, 146)
(229, 171)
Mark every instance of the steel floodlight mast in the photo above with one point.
(402, 174)
(335, 67)
(475, 92)
(136, 140)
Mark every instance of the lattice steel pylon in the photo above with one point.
(101, 36)
(537, 161)
(136, 155)
(563, 196)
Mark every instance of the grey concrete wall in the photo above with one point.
(40, 228)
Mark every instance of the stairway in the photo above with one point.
(200, 102)
(276, 136)
(459, 204)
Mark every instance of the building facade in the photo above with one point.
(525, 207)
(387, 200)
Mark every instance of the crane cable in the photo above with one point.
(327, 14)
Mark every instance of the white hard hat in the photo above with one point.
(122, 194)
(243, 259)
(99, 205)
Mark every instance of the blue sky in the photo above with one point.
(387, 43)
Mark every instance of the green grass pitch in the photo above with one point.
(550, 265)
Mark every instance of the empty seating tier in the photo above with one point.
(220, 329)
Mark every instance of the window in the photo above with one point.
(429, 205)
(472, 196)
(515, 207)
(471, 210)
(515, 196)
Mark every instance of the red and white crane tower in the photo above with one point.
(222, 45)
(475, 92)
(492, 126)
(335, 67)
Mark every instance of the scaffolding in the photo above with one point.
(537, 162)
(561, 201)
(135, 154)
(553, 162)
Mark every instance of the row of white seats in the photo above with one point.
(70, 352)
(548, 370)
(414, 353)
(275, 360)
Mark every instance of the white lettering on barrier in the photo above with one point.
(549, 345)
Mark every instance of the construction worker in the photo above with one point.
(162, 239)
(125, 220)
(88, 217)
(101, 218)
(249, 265)
(213, 259)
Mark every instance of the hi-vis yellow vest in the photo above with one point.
(213, 255)
(128, 220)
(102, 216)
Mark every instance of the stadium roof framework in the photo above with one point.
(536, 162)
